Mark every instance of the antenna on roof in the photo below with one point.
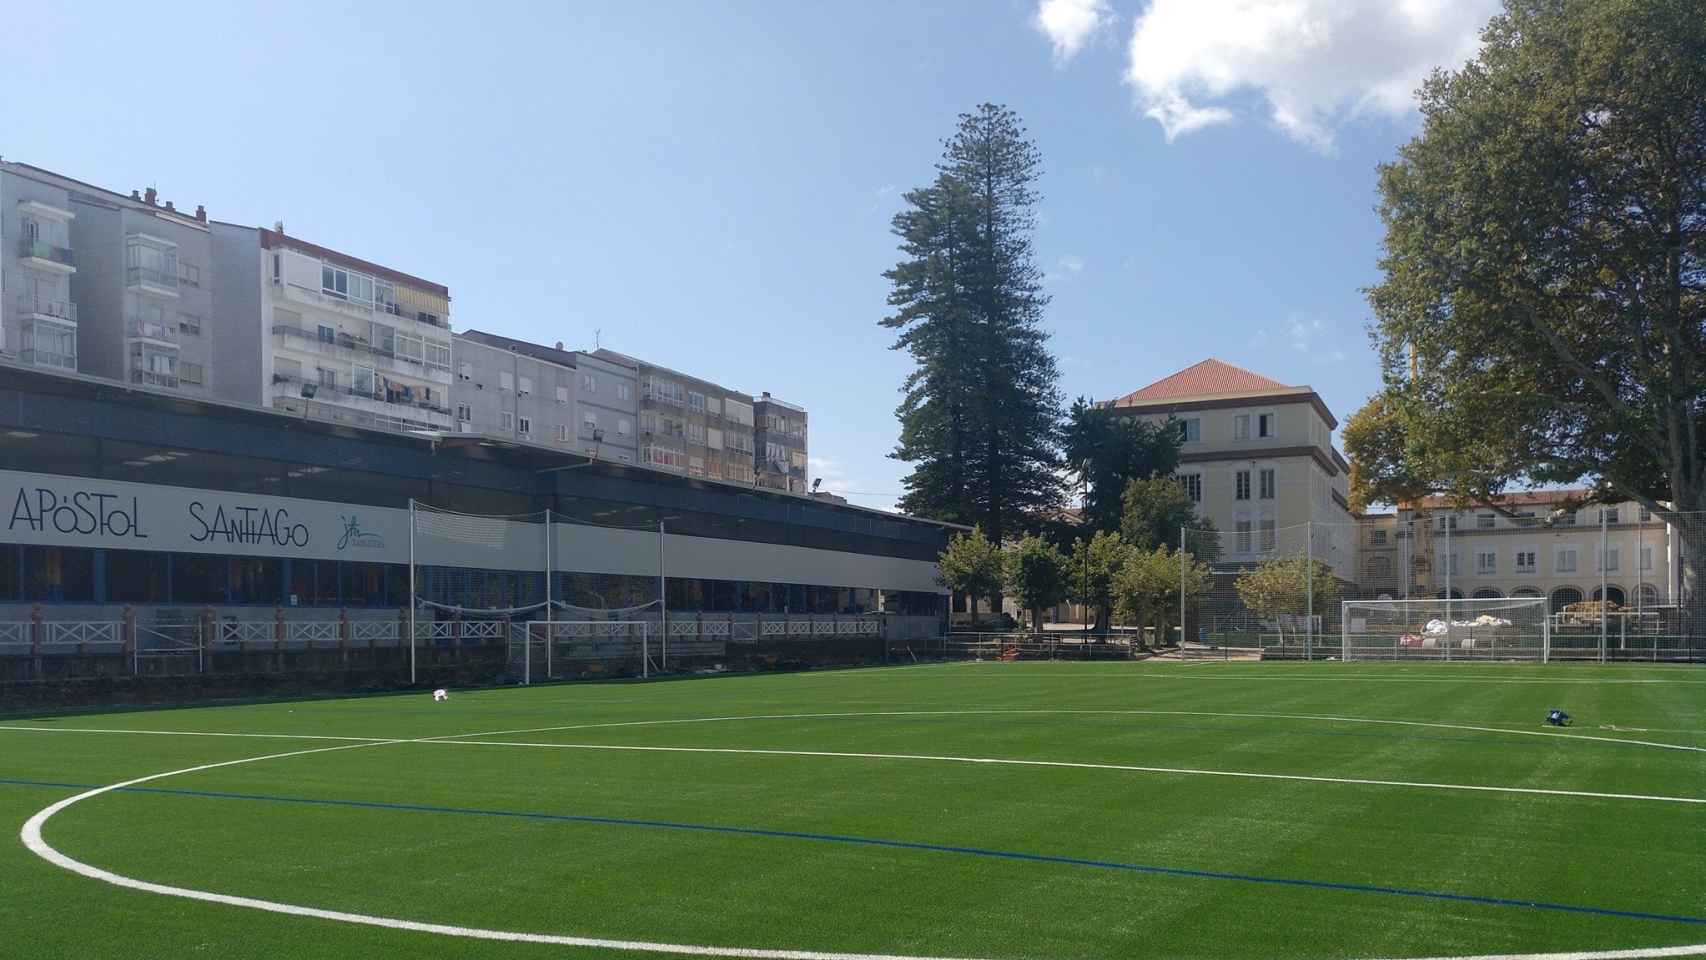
(597, 333)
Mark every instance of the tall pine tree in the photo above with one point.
(980, 418)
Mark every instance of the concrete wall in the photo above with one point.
(238, 276)
(480, 391)
(609, 392)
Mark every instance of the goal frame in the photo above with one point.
(552, 630)
(1450, 608)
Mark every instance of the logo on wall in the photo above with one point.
(354, 536)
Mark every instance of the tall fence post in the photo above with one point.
(1309, 590)
(1181, 587)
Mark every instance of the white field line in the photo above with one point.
(197, 733)
(1153, 669)
(1075, 765)
(1069, 712)
(1638, 953)
(31, 835)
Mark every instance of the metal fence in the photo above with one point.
(1607, 584)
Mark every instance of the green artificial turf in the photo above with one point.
(517, 828)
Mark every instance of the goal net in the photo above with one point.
(561, 649)
(1510, 628)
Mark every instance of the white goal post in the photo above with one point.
(1503, 628)
(547, 643)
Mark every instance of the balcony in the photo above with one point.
(153, 379)
(151, 280)
(47, 255)
(48, 358)
(337, 394)
(155, 331)
(33, 306)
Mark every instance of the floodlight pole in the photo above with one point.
(411, 591)
(550, 635)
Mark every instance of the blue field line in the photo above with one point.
(903, 845)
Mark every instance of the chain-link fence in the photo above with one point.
(1613, 583)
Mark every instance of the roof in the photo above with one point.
(277, 238)
(1211, 377)
(537, 351)
(1519, 498)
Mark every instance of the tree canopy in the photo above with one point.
(1037, 575)
(1147, 588)
(1095, 564)
(1542, 316)
(980, 414)
(972, 565)
(1285, 586)
(1105, 452)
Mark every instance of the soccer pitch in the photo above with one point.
(991, 810)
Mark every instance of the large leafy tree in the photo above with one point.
(980, 417)
(971, 565)
(1155, 509)
(1095, 563)
(1543, 313)
(1286, 586)
(1149, 587)
(1038, 575)
(1105, 452)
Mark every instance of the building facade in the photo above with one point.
(692, 426)
(320, 334)
(607, 408)
(1257, 458)
(1530, 547)
(38, 317)
(779, 444)
(514, 389)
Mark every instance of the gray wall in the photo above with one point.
(238, 275)
(601, 398)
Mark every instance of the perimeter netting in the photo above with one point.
(1512, 628)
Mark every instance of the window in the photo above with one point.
(624, 427)
(562, 395)
(506, 380)
(1527, 560)
(1486, 561)
(696, 433)
(506, 420)
(384, 296)
(695, 401)
(624, 390)
(1268, 483)
(1608, 515)
(328, 378)
(190, 373)
(562, 433)
(1193, 486)
(1270, 535)
(1448, 522)
(1568, 519)
(714, 438)
(409, 348)
(524, 425)
(463, 412)
(327, 334)
(696, 466)
(1190, 430)
(1448, 562)
(146, 263)
(364, 380)
(1646, 558)
(1242, 528)
(526, 386)
(277, 268)
(189, 274)
(775, 453)
(438, 355)
(466, 370)
(1526, 519)
(1241, 427)
(1564, 561)
(1485, 521)
(589, 422)
(1378, 537)
(589, 382)
(1607, 558)
(1264, 425)
(1241, 485)
(1646, 515)
(189, 323)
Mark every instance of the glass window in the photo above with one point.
(1485, 521)
(1268, 483)
(562, 394)
(1265, 425)
(524, 425)
(59, 574)
(8, 571)
(506, 380)
(1241, 427)
(137, 576)
(1241, 483)
(198, 578)
(526, 386)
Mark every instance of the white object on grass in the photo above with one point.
(441, 694)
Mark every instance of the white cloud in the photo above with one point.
(1316, 63)
(1070, 264)
(1068, 24)
(1301, 331)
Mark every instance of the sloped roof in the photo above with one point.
(1208, 378)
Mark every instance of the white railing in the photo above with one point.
(16, 631)
(312, 631)
(247, 631)
(483, 629)
(367, 631)
(82, 631)
(775, 628)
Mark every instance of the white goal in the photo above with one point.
(554, 649)
(1506, 628)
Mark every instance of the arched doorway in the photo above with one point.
(1525, 592)
(1648, 594)
(1564, 596)
(1456, 594)
(1613, 593)
(1488, 593)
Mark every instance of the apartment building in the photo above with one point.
(1258, 459)
(513, 388)
(38, 317)
(607, 407)
(779, 444)
(106, 284)
(692, 426)
(318, 333)
(1618, 552)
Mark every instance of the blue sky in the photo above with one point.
(710, 186)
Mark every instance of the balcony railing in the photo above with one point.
(42, 250)
(48, 358)
(58, 309)
(378, 396)
(362, 348)
(151, 330)
(151, 276)
(153, 378)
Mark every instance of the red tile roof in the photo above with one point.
(1207, 378)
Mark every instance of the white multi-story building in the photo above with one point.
(1257, 457)
(326, 335)
(38, 317)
